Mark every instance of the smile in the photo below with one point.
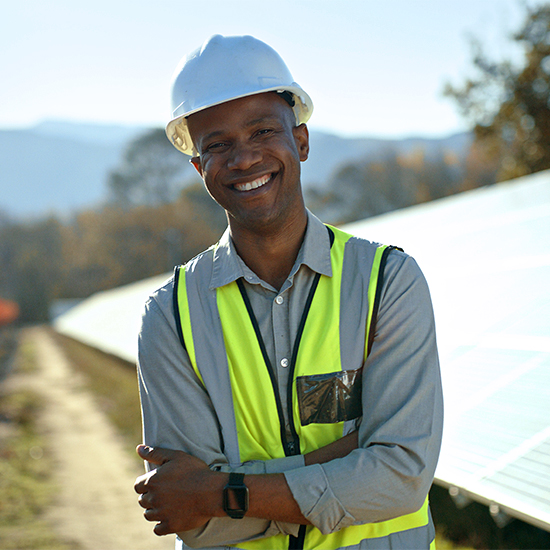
(248, 186)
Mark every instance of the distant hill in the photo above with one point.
(59, 167)
(89, 132)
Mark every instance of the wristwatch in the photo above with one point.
(236, 486)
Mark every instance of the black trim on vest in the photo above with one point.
(297, 543)
(290, 447)
(330, 235)
(294, 357)
(267, 362)
(176, 305)
(378, 294)
(175, 301)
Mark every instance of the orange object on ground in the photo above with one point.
(9, 311)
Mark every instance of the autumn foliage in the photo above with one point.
(99, 249)
(508, 104)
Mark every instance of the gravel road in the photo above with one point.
(97, 506)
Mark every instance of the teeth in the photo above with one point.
(252, 184)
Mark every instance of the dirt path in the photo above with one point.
(97, 507)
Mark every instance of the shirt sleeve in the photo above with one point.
(177, 414)
(390, 474)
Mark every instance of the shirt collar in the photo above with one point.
(314, 252)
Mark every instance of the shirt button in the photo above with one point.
(279, 300)
(284, 363)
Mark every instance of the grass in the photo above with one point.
(26, 484)
(8, 347)
(473, 527)
(114, 385)
(26, 358)
(442, 543)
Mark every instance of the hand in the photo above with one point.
(174, 494)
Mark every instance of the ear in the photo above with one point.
(301, 137)
(196, 162)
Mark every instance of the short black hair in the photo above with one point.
(288, 97)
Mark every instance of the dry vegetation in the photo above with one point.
(26, 483)
(114, 385)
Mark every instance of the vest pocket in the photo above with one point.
(330, 398)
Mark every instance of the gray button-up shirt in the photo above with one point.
(400, 432)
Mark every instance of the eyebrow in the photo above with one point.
(249, 124)
(260, 120)
(212, 135)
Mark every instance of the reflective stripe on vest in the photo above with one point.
(227, 357)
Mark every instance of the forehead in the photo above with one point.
(240, 113)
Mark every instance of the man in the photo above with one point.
(266, 425)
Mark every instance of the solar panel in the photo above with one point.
(486, 255)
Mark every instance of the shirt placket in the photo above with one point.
(283, 349)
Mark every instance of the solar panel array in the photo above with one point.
(486, 255)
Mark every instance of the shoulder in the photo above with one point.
(363, 251)
(401, 269)
(161, 299)
(201, 261)
(404, 291)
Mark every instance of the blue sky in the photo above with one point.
(372, 67)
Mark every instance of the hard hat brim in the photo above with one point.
(178, 132)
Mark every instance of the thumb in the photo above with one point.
(156, 455)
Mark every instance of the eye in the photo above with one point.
(264, 131)
(216, 146)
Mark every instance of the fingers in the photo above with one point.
(144, 451)
(144, 501)
(153, 514)
(161, 528)
(141, 482)
(155, 455)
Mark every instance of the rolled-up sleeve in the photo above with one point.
(390, 474)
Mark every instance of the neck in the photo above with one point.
(271, 253)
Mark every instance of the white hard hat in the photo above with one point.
(223, 69)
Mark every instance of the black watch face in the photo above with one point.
(235, 494)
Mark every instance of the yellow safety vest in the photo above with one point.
(315, 367)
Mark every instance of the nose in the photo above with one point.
(243, 156)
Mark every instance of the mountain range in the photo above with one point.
(59, 167)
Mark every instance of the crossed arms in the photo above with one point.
(182, 493)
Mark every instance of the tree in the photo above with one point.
(362, 189)
(509, 105)
(152, 172)
(31, 262)
(110, 247)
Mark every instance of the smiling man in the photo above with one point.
(289, 377)
(250, 151)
